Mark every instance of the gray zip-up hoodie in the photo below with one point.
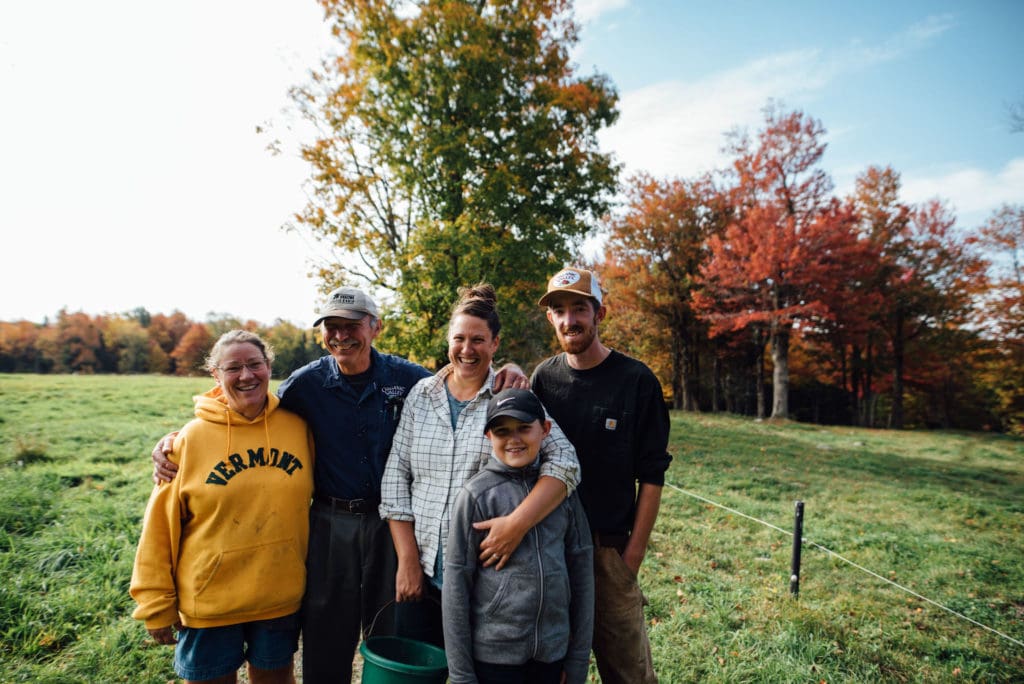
(540, 606)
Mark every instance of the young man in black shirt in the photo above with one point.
(611, 408)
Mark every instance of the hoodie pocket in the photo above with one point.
(250, 580)
(512, 609)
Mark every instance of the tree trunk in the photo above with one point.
(691, 375)
(780, 373)
(868, 418)
(896, 415)
(856, 396)
(679, 398)
(759, 381)
(716, 384)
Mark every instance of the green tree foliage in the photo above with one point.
(456, 145)
(128, 342)
(293, 347)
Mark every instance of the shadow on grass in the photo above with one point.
(768, 460)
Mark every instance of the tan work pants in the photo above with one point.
(621, 645)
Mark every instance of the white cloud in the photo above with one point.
(590, 10)
(973, 192)
(914, 38)
(676, 128)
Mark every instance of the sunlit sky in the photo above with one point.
(132, 173)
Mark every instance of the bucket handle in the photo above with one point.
(373, 623)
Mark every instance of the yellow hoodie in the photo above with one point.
(225, 541)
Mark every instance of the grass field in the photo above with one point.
(939, 513)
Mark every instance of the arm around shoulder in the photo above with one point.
(558, 459)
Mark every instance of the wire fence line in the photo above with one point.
(805, 540)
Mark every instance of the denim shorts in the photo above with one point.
(211, 652)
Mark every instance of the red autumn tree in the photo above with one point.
(74, 344)
(883, 220)
(791, 250)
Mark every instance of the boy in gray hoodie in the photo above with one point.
(532, 620)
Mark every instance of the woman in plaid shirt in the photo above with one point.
(439, 444)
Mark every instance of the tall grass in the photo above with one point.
(939, 513)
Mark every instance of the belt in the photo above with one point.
(347, 505)
(614, 541)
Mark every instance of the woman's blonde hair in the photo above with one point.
(237, 337)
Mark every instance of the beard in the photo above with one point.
(579, 342)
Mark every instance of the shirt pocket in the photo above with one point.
(610, 426)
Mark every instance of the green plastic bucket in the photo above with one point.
(397, 660)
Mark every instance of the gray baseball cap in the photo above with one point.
(347, 302)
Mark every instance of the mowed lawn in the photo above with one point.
(940, 514)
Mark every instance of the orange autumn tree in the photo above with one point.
(790, 251)
(1003, 236)
(653, 259)
(884, 219)
(191, 351)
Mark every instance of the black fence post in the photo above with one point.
(798, 534)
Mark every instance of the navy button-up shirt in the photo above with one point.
(353, 431)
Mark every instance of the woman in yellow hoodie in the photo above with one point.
(221, 559)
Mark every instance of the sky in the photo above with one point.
(134, 169)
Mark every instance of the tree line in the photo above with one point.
(864, 309)
(139, 342)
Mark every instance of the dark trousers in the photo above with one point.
(350, 585)
(421, 620)
(530, 672)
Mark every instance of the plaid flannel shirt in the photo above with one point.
(429, 462)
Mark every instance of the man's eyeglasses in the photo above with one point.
(236, 368)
